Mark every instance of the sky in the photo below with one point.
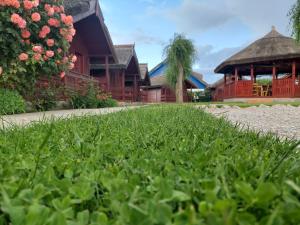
(218, 28)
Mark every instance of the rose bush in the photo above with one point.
(35, 37)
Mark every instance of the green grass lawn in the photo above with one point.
(157, 165)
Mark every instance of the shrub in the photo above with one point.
(11, 102)
(93, 98)
(107, 103)
(34, 41)
(45, 100)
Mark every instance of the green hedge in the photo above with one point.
(11, 102)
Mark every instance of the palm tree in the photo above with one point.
(294, 15)
(180, 54)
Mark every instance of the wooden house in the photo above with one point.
(159, 89)
(88, 46)
(274, 57)
(113, 68)
(125, 75)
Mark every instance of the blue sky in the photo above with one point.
(219, 28)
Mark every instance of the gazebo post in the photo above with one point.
(293, 77)
(236, 73)
(252, 73)
(274, 73)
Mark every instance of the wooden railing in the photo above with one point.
(229, 90)
(244, 88)
(77, 82)
(283, 88)
(297, 90)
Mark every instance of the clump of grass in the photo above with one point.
(154, 165)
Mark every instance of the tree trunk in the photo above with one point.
(179, 86)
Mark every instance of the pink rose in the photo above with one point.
(50, 11)
(53, 22)
(49, 54)
(23, 57)
(71, 66)
(1, 70)
(28, 5)
(37, 48)
(46, 29)
(74, 59)
(62, 75)
(25, 34)
(36, 17)
(37, 56)
(50, 42)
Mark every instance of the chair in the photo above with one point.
(257, 90)
(266, 92)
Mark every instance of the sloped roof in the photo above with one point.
(217, 83)
(199, 76)
(158, 77)
(161, 80)
(144, 70)
(124, 53)
(75, 7)
(273, 46)
(81, 9)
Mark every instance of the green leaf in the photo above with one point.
(244, 191)
(99, 218)
(180, 196)
(265, 193)
(83, 217)
(246, 219)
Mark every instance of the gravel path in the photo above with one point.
(29, 118)
(283, 121)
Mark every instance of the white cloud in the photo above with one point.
(197, 16)
(258, 15)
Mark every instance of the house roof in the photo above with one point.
(81, 9)
(273, 46)
(144, 70)
(125, 53)
(161, 80)
(158, 77)
(217, 83)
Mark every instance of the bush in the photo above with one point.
(11, 102)
(45, 101)
(35, 39)
(94, 98)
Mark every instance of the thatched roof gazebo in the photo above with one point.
(273, 55)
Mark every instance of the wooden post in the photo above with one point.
(107, 74)
(225, 79)
(123, 85)
(236, 73)
(252, 73)
(274, 73)
(294, 77)
(134, 89)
